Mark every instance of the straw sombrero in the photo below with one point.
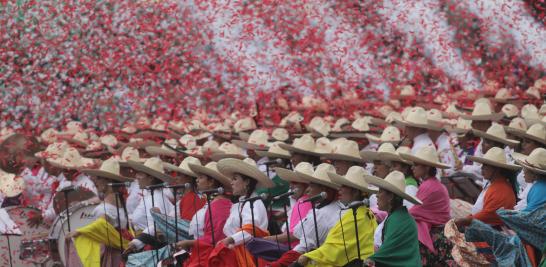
(530, 114)
(535, 162)
(417, 117)
(425, 156)
(280, 134)
(153, 167)
(503, 95)
(354, 179)
(495, 156)
(247, 167)
(292, 176)
(108, 169)
(346, 150)
(303, 145)
(258, 140)
(319, 126)
(510, 111)
(495, 133)
(211, 170)
(483, 112)
(461, 127)
(390, 134)
(168, 148)
(517, 124)
(12, 185)
(275, 151)
(323, 145)
(184, 166)
(537, 133)
(394, 182)
(129, 153)
(245, 124)
(320, 176)
(385, 151)
(71, 160)
(228, 150)
(53, 150)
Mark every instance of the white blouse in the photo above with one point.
(110, 212)
(240, 214)
(327, 217)
(142, 218)
(197, 223)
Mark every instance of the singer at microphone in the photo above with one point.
(219, 190)
(156, 186)
(287, 194)
(273, 162)
(318, 197)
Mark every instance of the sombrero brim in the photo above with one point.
(224, 180)
(506, 100)
(391, 188)
(485, 135)
(229, 167)
(311, 179)
(481, 160)
(525, 135)
(172, 167)
(298, 150)
(142, 168)
(525, 165)
(246, 145)
(338, 179)
(159, 151)
(414, 159)
(349, 134)
(334, 156)
(428, 126)
(489, 117)
(272, 155)
(219, 156)
(377, 139)
(513, 131)
(289, 175)
(108, 175)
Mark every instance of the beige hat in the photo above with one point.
(434, 117)
(54, 150)
(258, 140)
(188, 141)
(542, 110)
(483, 112)
(323, 145)
(407, 91)
(293, 117)
(451, 111)
(143, 122)
(510, 110)
(303, 145)
(425, 156)
(394, 182)
(130, 153)
(129, 129)
(79, 138)
(211, 170)
(245, 124)
(495, 156)
(359, 129)
(536, 132)
(363, 124)
(417, 117)
(165, 149)
(228, 150)
(354, 179)
(319, 126)
(533, 92)
(340, 123)
(462, 127)
(530, 114)
(73, 127)
(108, 169)
(153, 167)
(385, 151)
(347, 151)
(291, 176)
(280, 134)
(247, 167)
(71, 159)
(12, 185)
(405, 150)
(275, 151)
(495, 133)
(184, 166)
(49, 136)
(220, 127)
(517, 124)
(208, 148)
(503, 95)
(177, 126)
(320, 175)
(109, 140)
(393, 117)
(390, 134)
(535, 162)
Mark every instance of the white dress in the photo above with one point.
(327, 217)
(240, 214)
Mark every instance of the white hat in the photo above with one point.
(390, 134)
(303, 145)
(258, 140)
(517, 124)
(319, 125)
(535, 162)
(292, 118)
(184, 166)
(503, 95)
(244, 124)
(530, 114)
(483, 112)
(394, 182)
(354, 179)
(247, 167)
(346, 150)
(291, 176)
(53, 150)
(385, 151)
(12, 185)
(495, 156)
(510, 110)
(495, 133)
(165, 149)
(108, 169)
(275, 151)
(320, 176)
(188, 141)
(211, 170)
(425, 156)
(462, 127)
(536, 132)
(417, 117)
(228, 150)
(71, 159)
(533, 92)
(280, 134)
(152, 166)
(323, 145)
(130, 153)
(338, 126)
(49, 136)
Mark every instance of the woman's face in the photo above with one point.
(127, 172)
(529, 176)
(488, 171)
(342, 166)
(180, 178)
(144, 180)
(380, 169)
(299, 188)
(346, 195)
(419, 171)
(298, 157)
(384, 199)
(528, 145)
(101, 184)
(239, 185)
(313, 189)
(204, 183)
(488, 144)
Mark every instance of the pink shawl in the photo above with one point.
(435, 210)
(299, 209)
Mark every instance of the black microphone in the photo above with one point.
(317, 197)
(125, 184)
(156, 186)
(178, 186)
(219, 190)
(271, 162)
(356, 204)
(287, 194)
(68, 188)
(261, 196)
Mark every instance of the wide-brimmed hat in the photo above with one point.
(184, 166)
(53, 150)
(129, 153)
(71, 160)
(228, 150)
(187, 141)
(323, 145)
(340, 123)
(303, 145)
(280, 134)
(247, 167)
(510, 110)
(166, 149)
(417, 117)
(517, 124)
(483, 112)
(49, 136)
(394, 182)
(211, 170)
(153, 167)
(434, 117)
(503, 95)
(80, 138)
(495, 156)
(359, 129)
(346, 150)
(244, 124)
(318, 125)
(12, 185)
(293, 117)
(390, 134)
(535, 162)
(460, 128)
(385, 151)
(530, 114)
(258, 140)
(354, 179)
(537, 133)
(209, 148)
(320, 175)
(292, 176)
(425, 156)
(495, 133)
(108, 169)
(275, 151)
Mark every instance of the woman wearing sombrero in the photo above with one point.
(400, 245)
(302, 150)
(534, 169)
(99, 241)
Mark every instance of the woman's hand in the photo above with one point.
(184, 244)
(228, 242)
(303, 260)
(71, 235)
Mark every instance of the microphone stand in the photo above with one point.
(287, 225)
(9, 247)
(253, 225)
(118, 195)
(209, 208)
(65, 192)
(357, 239)
(155, 229)
(315, 222)
(175, 216)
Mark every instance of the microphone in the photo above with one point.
(317, 197)
(219, 190)
(287, 194)
(271, 162)
(156, 186)
(125, 184)
(178, 186)
(262, 196)
(356, 204)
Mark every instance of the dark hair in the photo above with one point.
(361, 195)
(396, 202)
(251, 184)
(432, 171)
(215, 182)
(512, 178)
